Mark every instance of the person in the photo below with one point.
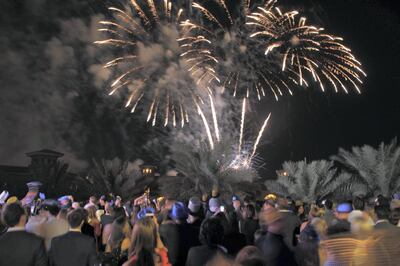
(341, 224)
(92, 219)
(249, 225)
(329, 215)
(358, 211)
(106, 221)
(195, 212)
(17, 246)
(214, 207)
(119, 241)
(291, 222)
(146, 246)
(211, 234)
(250, 255)
(73, 248)
(300, 211)
(382, 213)
(51, 226)
(235, 216)
(272, 244)
(269, 202)
(92, 202)
(178, 236)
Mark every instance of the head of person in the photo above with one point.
(250, 255)
(299, 207)
(214, 205)
(211, 232)
(144, 241)
(313, 213)
(49, 208)
(108, 207)
(343, 210)
(236, 202)
(93, 200)
(102, 200)
(382, 212)
(76, 218)
(91, 209)
(63, 214)
(119, 231)
(195, 207)
(118, 201)
(118, 212)
(395, 216)
(328, 204)
(14, 215)
(272, 219)
(249, 212)
(358, 204)
(269, 202)
(179, 212)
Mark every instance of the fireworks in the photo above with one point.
(151, 64)
(259, 49)
(304, 48)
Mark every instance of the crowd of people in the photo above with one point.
(202, 231)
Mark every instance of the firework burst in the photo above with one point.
(305, 49)
(259, 49)
(151, 64)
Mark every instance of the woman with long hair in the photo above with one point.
(146, 247)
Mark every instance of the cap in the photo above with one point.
(194, 205)
(344, 207)
(12, 200)
(234, 198)
(213, 204)
(179, 211)
(145, 212)
(34, 185)
(270, 197)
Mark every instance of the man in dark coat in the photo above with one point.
(272, 244)
(18, 247)
(73, 248)
(178, 236)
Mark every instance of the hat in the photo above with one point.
(395, 204)
(344, 207)
(179, 211)
(194, 205)
(234, 198)
(145, 212)
(213, 204)
(34, 186)
(12, 200)
(63, 198)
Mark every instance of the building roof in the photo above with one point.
(45, 152)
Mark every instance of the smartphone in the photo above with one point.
(222, 208)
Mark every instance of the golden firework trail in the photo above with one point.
(150, 23)
(242, 125)
(260, 133)
(205, 122)
(215, 120)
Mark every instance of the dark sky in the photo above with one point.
(314, 125)
(41, 66)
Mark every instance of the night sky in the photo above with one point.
(310, 124)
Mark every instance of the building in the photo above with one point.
(43, 165)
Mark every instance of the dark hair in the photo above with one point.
(250, 255)
(382, 212)
(118, 212)
(328, 204)
(51, 206)
(211, 232)
(358, 204)
(76, 217)
(249, 211)
(12, 213)
(117, 232)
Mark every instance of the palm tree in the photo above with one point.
(308, 181)
(202, 170)
(378, 169)
(118, 177)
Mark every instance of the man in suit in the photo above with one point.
(73, 248)
(382, 214)
(18, 247)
